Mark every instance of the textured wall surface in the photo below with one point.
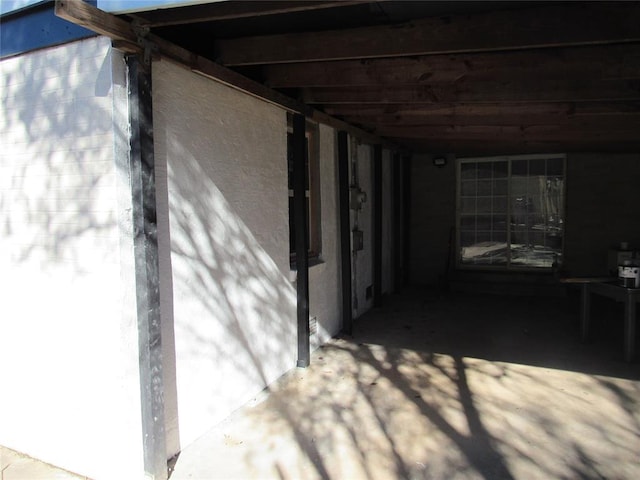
(601, 210)
(324, 278)
(226, 265)
(433, 211)
(362, 262)
(68, 333)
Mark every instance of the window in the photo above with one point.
(511, 211)
(312, 192)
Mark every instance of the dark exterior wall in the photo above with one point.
(602, 209)
(433, 213)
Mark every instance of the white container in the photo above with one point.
(629, 275)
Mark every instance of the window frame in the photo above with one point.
(508, 267)
(313, 194)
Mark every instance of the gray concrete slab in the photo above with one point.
(428, 387)
(16, 466)
(434, 387)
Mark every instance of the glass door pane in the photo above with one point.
(536, 212)
(483, 212)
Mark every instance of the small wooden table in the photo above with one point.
(606, 287)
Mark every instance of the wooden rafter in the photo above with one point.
(559, 77)
(462, 110)
(594, 62)
(620, 127)
(524, 120)
(474, 147)
(563, 25)
(231, 10)
(128, 38)
(480, 92)
(620, 132)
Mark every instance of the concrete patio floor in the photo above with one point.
(458, 386)
(15, 466)
(435, 387)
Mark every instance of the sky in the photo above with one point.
(9, 5)
(107, 5)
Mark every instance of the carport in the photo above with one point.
(446, 163)
(463, 94)
(434, 383)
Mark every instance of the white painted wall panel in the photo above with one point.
(226, 264)
(324, 279)
(363, 260)
(68, 336)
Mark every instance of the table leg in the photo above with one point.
(585, 312)
(629, 328)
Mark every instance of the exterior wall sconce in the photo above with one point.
(439, 161)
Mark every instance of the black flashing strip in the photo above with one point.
(302, 242)
(377, 225)
(143, 191)
(345, 230)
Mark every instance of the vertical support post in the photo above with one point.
(345, 231)
(629, 326)
(585, 311)
(302, 240)
(406, 184)
(377, 225)
(143, 191)
(397, 223)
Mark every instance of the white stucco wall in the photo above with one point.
(68, 336)
(225, 266)
(362, 263)
(325, 295)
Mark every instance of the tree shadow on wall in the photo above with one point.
(459, 387)
(425, 392)
(57, 193)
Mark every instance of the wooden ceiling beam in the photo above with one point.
(504, 119)
(590, 23)
(479, 92)
(479, 109)
(123, 33)
(462, 148)
(620, 132)
(425, 111)
(449, 109)
(597, 62)
(231, 10)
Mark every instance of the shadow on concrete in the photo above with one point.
(538, 331)
(442, 387)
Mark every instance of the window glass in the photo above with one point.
(515, 218)
(312, 193)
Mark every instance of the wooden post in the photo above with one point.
(143, 191)
(377, 225)
(302, 240)
(406, 216)
(397, 222)
(345, 231)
